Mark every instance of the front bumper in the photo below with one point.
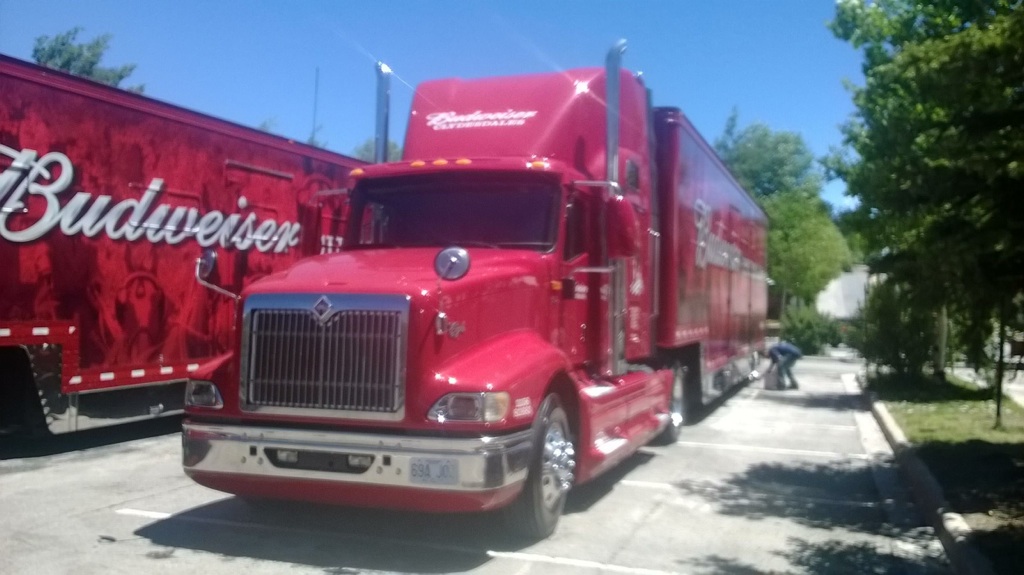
(223, 456)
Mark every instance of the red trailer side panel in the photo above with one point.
(107, 198)
(712, 256)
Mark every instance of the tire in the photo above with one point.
(676, 408)
(693, 394)
(535, 513)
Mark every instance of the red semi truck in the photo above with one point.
(554, 275)
(106, 199)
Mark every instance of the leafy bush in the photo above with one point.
(808, 329)
(896, 332)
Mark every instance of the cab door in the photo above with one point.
(576, 251)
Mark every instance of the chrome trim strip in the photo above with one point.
(484, 463)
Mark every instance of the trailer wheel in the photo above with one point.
(20, 410)
(676, 407)
(693, 393)
(535, 513)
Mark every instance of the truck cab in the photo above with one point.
(485, 338)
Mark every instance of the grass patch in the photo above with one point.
(980, 468)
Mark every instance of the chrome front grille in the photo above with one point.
(347, 355)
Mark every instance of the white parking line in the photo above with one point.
(530, 557)
(517, 556)
(777, 450)
(775, 423)
(141, 513)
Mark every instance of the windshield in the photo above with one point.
(458, 211)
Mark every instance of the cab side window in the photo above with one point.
(575, 229)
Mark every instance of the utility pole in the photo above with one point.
(316, 97)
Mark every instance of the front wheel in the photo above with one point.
(535, 513)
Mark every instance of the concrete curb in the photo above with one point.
(953, 531)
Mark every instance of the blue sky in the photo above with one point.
(255, 61)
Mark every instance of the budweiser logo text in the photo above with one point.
(714, 249)
(46, 178)
(478, 119)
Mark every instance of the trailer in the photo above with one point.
(106, 199)
(556, 274)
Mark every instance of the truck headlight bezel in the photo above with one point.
(482, 407)
(204, 394)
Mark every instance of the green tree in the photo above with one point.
(934, 152)
(767, 162)
(61, 52)
(365, 151)
(805, 249)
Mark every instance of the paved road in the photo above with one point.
(771, 481)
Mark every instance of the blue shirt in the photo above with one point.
(784, 349)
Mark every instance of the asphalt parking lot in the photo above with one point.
(769, 482)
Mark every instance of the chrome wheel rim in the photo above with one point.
(557, 465)
(677, 397)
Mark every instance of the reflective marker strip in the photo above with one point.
(40, 331)
(166, 370)
(108, 376)
(193, 366)
(138, 373)
(5, 333)
(75, 380)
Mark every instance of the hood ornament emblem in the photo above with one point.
(322, 309)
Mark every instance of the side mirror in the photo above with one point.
(206, 264)
(623, 228)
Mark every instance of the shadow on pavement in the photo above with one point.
(838, 496)
(581, 498)
(360, 539)
(326, 536)
(835, 401)
(833, 556)
(27, 447)
(843, 556)
(825, 496)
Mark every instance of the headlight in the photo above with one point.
(487, 407)
(200, 393)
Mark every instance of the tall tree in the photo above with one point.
(934, 150)
(805, 248)
(61, 52)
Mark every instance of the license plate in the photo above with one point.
(434, 471)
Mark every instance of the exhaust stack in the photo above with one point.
(380, 141)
